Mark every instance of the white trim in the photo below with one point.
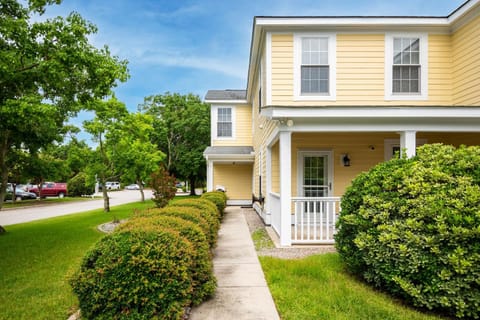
(214, 119)
(268, 189)
(371, 112)
(351, 21)
(423, 95)
(332, 63)
(268, 73)
(245, 202)
(300, 169)
(408, 143)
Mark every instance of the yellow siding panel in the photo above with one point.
(276, 168)
(237, 180)
(466, 64)
(243, 128)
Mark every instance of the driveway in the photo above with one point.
(20, 215)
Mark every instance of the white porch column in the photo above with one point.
(209, 175)
(268, 189)
(285, 188)
(408, 143)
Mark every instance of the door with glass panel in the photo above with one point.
(315, 174)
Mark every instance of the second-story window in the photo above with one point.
(406, 65)
(314, 66)
(224, 122)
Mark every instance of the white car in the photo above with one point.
(112, 185)
(132, 187)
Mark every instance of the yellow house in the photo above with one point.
(330, 97)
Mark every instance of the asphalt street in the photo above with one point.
(26, 214)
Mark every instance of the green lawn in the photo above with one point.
(317, 288)
(36, 258)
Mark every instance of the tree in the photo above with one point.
(48, 72)
(108, 115)
(132, 151)
(182, 126)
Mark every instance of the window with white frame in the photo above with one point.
(315, 67)
(406, 67)
(224, 122)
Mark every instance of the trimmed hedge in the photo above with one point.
(203, 280)
(412, 227)
(77, 186)
(153, 266)
(219, 198)
(136, 274)
(206, 208)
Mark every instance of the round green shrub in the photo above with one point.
(207, 208)
(218, 198)
(193, 215)
(412, 227)
(77, 186)
(203, 280)
(136, 274)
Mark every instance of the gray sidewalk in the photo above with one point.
(242, 292)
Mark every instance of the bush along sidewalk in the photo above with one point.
(154, 266)
(412, 227)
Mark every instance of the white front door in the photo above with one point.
(315, 174)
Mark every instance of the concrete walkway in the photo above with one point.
(242, 292)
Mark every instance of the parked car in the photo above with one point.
(112, 185)
(132, 187)
(20, 194)
(51, 189)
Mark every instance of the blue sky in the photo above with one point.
(192, 45)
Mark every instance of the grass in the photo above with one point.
(37, 257)
(317, 288)
(262, 240)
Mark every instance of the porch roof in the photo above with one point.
(229, 153)
(376, 118)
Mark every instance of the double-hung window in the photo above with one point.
(406, 67)
(224, 123)
(314, 67)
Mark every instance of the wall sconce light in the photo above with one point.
(346, 160)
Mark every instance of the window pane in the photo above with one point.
(224, 122)
(406, 79)
(224, 129)
(415, 44)
(415, 58)
(314, 79)
(314, 51)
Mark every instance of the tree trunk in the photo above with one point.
(140, 184)
(106, 200)
(192, 186)
(4, 169)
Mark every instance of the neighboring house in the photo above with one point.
(330, 97)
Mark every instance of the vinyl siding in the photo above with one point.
(276, 167)
(236, 178)
(243, 128)
(360, 71)
(466, 64)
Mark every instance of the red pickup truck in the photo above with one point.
(51, 189)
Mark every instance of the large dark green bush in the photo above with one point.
(204, 282)
(77, 186)
(412, 227)
(136, 274)
(219, 198)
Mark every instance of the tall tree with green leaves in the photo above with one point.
(48, 72)
(108, 118)
(132, 151)
(182, 127)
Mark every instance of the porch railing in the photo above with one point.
(314, 219)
